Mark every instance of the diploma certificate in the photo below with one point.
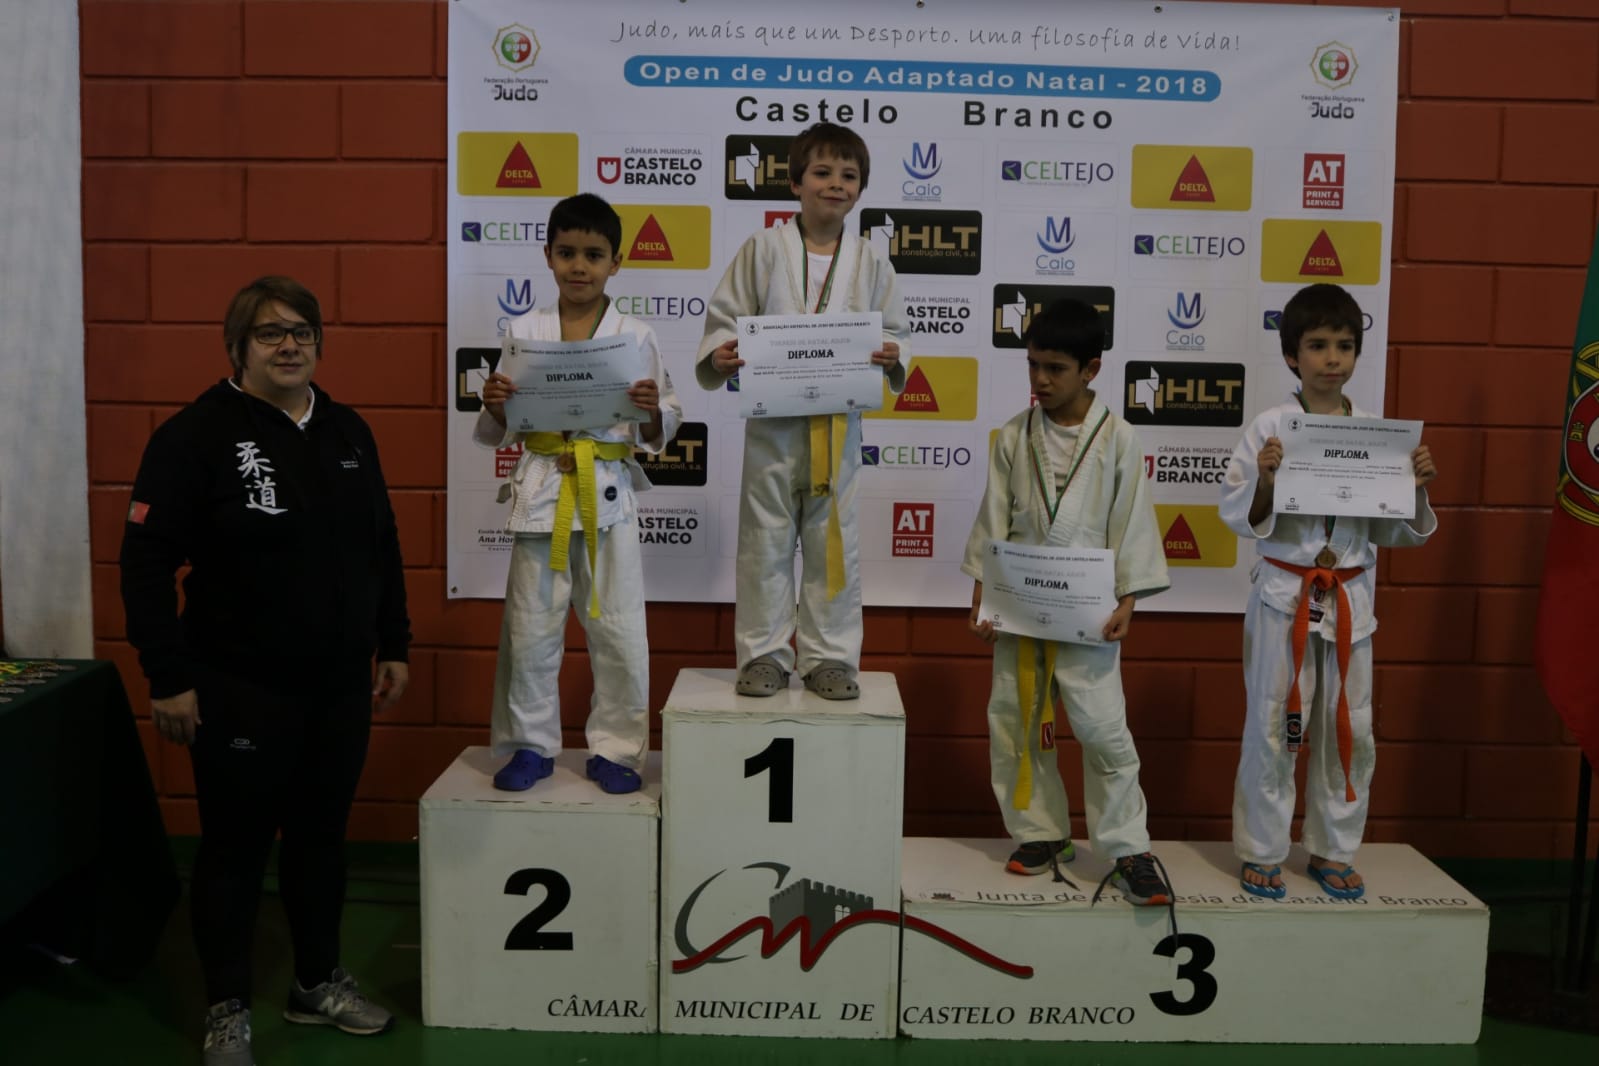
(809, 364)
(1347, 467)
(572, 384)
(1046, 592)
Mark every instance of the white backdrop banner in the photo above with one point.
(1184, 167)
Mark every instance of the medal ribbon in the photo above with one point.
(577, 497)
(827, 432)
(1321, 578)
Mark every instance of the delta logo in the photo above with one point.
(1300, 251)
(938, 388)
(1333, 65)
(1195, 535)
(1324, 181)
(926, 242)
(1184, 394)
(1015, 306)
(913, 531)
(666, 236)
(1176, 177)
(757, 168)
(516, 47)
(515, 164)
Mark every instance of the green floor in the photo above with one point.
(63, 1015)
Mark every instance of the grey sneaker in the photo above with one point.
(227, 1035)
(337, 1002)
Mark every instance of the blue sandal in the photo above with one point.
(612, 777)
(526, 769)
(1267, 891)
(1321, 873)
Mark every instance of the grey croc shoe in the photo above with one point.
(833, 680)
(761, 677)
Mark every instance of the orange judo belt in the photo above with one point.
(1322, 579)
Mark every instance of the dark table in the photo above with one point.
(85, 868)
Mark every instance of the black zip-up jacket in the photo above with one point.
(293, 553)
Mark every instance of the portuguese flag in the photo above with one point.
(1568, 663)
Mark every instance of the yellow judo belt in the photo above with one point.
(575, 461)
(827, 449)
(1030, 699)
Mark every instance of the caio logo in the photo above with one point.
(515, 164)
(1015, 306)
(681, 462)
(1181, 177)
(1324, 181)
(913, 530)
(926, 242)
(1299, 251)
(757, 168)
(1184, 394)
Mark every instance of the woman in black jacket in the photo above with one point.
(273, 496)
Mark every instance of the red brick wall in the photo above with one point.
(223, 139)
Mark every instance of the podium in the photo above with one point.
(989, 955)
(538, 907)
(781, 836)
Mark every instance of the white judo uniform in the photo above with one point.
(1263, 793)
(527, 708)
(776, 501)
(1106, 504)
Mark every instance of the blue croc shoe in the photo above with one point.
(526, 769)
(612, 777)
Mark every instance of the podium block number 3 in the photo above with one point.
(778, 757)
(528, 934)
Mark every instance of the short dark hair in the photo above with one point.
(585, 213)
(1316, 306)
(1068, 326)
(828, 138)
(247, 304)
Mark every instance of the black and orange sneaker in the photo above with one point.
(1036, 856)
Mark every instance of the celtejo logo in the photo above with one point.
(1187, 246)
(1070, 172)
(498, 232)
(913, 530)
(515, 164)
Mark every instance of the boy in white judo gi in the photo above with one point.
(799, 473)
(1069, 473)
(573, 514)
(1307, 630)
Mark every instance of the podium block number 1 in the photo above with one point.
(778, 757)
(528, 934)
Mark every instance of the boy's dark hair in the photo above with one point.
(1314, 307)
(585, 213)
(247, 303)
(827, 138)
(1068, 326)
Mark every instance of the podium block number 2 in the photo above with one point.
(528, 934)
(778, 757)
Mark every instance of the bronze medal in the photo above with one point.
(565, 462)
(1326, 558)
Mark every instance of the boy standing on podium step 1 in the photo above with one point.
(1069, 473)
(1308, 626)
(576, 538)
(799, 473)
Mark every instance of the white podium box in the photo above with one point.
(780, 838)
(538, 907)
(991, 955)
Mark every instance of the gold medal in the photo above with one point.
(565, 463)
(1326, 558)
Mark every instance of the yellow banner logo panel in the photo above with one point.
(516, 164)
(1193, 534)
(1180, 177)
(938, 388)
(665, 236)
(1302, 251)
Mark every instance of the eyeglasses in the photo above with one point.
(272, 335)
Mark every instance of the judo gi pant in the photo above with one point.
(1263, 794)
(285, 758)
(776, 505)
(1089, 678)
(527, 695)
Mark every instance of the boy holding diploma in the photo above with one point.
(572, 511)
(1308, 626)
(1069, 473)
